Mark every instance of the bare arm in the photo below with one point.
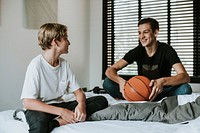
(111, 73)
(180, 78)
(33, 104)
(80, 110)
(67, 115)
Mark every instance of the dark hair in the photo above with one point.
(153, 23)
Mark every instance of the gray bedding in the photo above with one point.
(167, 111)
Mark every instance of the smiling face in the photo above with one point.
(146, 35)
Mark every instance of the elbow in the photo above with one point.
(26, 104)
(187, 78)
(108, 72)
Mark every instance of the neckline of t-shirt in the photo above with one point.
(51, 67)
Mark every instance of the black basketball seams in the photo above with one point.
(136, 90)
(144, 83)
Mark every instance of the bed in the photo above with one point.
(9, 125)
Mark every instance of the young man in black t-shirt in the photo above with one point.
(155, 61)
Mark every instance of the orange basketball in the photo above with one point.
(137, 89)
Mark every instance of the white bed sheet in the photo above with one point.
(9, 125)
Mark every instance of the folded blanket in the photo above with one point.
(167, 111)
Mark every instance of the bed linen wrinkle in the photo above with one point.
(9, 125)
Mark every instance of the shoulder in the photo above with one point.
(166, 47)
(36, 59)
(35, 62)
(163, 45)
(134, 54)
(169, 53)
(137, 50)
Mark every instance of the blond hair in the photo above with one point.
(48, 32)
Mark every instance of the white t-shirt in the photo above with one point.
(47, 83)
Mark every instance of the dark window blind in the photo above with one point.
(178, 28)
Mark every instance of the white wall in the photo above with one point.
(19, 45)
(95, 43)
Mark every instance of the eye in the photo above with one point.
(65, 38)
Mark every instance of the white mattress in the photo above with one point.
(9, 125)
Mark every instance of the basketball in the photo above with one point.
(137, 89)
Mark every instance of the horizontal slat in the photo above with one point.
(126, 30)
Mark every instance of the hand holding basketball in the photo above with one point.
(157, 88)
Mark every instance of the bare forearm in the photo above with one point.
(176, 80)
(111, 73)
(33, 104)
(80, 97)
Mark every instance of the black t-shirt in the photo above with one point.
(157, 66)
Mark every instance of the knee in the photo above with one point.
(103, 101)
(108, 84)
(186, 88)
(38, 121)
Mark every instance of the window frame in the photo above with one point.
(108, 55)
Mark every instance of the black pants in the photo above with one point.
(40, 122)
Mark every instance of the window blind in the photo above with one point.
(182, 31)
(176, 20)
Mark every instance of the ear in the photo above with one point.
(156, 33)
(54, 42)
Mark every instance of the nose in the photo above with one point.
(141, 35)
(68, 42)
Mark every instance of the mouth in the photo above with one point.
(143, 41)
